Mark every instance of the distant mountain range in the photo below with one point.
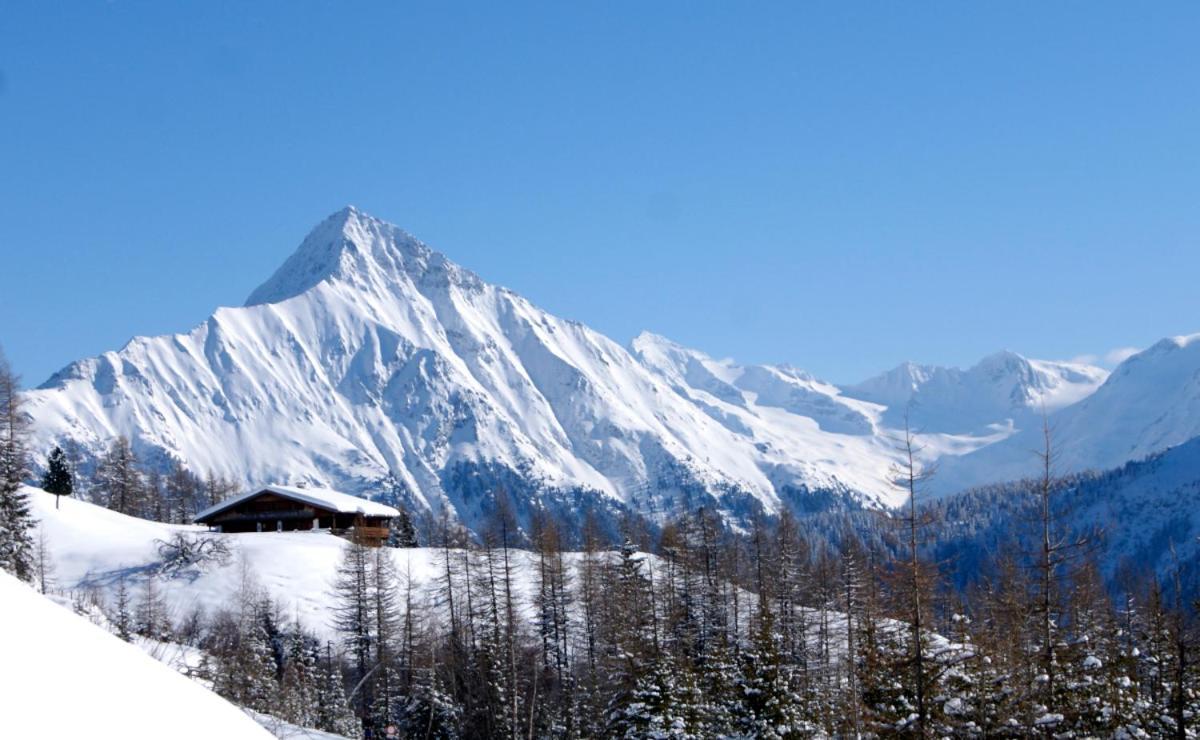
(370, 363)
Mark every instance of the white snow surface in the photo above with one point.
(324, 497)
(1150, 403)
(368, 353)
(65, 677)
(93, 548)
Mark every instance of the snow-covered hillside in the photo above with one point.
(95, 548)
(64, 677)
(1149, 403)
(370, 358)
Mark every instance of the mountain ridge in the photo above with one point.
(370, 360)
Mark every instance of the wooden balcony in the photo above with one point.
(369, 535)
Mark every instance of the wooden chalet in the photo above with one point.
(291, 509)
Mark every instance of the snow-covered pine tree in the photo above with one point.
(333, 711)
(769, 710)
(429, 712)
(660, 705)
(296, 700)
(630, 662)
(59, 479)
(256, 664)
(402, 532)
(16, 521)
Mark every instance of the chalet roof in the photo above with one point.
(325, 498)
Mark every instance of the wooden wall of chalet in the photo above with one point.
(270, 512)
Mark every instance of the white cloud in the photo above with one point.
(1119, 355)
(1084, 360)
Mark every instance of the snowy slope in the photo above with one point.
(93, 548)
(65, 677)
(799, 426)
(1149, 403)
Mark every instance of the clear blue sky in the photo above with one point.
(841, 187)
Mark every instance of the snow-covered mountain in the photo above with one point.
(368, 362)
(1149, 403)
(1002, 388)
(369, 354)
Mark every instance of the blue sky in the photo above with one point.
(838, 186)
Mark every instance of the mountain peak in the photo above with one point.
(350, 244)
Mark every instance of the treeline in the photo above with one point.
(713, 635)
(120, 481)
(696, 631)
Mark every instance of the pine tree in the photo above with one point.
(333, 711)
(653, 708)
(119, 481)
(354, 616)
(297, 701)
(16, 521)
(915, 581)
(217, 488)
(183, 492)
(768, 708)
(402, 533)
(43, 563)
(122, 616)
(59, 479)
(151, 618)
(430, 713)
(386, 694)
(257, 664)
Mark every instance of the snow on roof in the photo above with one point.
(326, 498)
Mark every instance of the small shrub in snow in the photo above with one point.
(186, 551)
